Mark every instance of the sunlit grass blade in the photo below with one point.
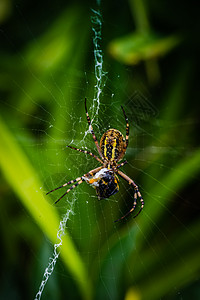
(24, 181)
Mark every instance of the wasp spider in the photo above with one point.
(104, 179)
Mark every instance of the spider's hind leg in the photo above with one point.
(65, 184)
(137, 195)
(71, 188)
(77, 181)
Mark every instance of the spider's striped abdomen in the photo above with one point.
(112, 145)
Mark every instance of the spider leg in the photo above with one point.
(92, 131)
(71, 188)
(136, 196)
(77, 181)
(127, 126)
(67, 183)
(121, 164)
(86, 152)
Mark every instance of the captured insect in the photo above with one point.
(104, 179)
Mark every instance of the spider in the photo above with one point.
(104, 179)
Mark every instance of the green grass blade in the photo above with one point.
(167, 187)
(24, 181)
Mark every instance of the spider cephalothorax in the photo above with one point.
(104, 179)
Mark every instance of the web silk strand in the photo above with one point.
(52, 260)
(96, 20)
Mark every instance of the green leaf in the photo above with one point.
(137, 47)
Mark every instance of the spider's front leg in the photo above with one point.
(86, 152)
(137, 195)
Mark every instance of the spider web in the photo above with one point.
(143, 117)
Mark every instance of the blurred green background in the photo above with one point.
(151, 56)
